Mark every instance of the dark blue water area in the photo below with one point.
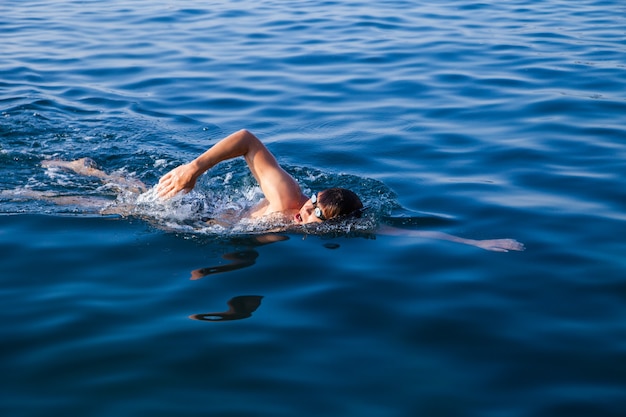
(481, 120)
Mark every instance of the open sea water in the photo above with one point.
(479, 119)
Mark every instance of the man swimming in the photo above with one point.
(282, 193)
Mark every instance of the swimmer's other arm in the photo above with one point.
(495, 245)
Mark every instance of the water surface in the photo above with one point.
(480, 120)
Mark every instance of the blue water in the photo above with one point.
(501, 120)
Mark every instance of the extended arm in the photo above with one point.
(496, 245)
(280, 189)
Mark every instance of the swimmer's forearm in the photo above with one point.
(184, 177)
(395, 231)
(237, 144)
(496, 245)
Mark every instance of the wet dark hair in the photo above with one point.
(337, 202)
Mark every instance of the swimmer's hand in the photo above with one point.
(181, 178)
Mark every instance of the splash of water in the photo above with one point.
(217, 206)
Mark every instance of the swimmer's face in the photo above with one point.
(310, 212)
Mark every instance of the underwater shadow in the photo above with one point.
(240, 307)
(239, 259)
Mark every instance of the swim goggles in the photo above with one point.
(317, 211)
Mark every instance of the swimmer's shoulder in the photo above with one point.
(259, 210)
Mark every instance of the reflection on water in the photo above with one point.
(240, 307)
(240, 259)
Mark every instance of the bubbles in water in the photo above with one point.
(160, 163)
(182, 207)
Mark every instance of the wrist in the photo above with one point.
(196, 168)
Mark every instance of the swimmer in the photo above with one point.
(282, 193)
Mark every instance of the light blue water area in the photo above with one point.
(482, 120)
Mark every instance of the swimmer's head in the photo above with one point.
(337, 202)
(329, 204)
